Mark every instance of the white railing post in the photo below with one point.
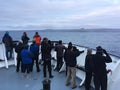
(15, 56)
(63, 68)
(4, 55)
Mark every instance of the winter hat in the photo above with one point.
(6, 32)
(99, 49)
(33, 40)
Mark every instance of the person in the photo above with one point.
(34, 48)
(89, 66)
(71, 55)
(100, 73)
(37, 38)
(46, 48)
(65, 56)
(18, 50)
(26, 60)
(8, 41)
(59, 48)
(25, 38)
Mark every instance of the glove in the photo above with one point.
(104, 51)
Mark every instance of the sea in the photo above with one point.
(109, 40)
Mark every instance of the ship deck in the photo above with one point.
(11, 80)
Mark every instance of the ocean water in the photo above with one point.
(109, 40)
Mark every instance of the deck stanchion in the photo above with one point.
(46, 84)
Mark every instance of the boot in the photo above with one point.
(50, 75)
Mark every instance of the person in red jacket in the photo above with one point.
(37, 38)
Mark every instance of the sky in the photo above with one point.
(59, 14)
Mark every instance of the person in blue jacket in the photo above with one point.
(34, 48)
(26, 60)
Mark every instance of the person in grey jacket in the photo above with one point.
(59, 48)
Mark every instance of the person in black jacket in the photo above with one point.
(18, 50)
(25, 38)
(65, 55)
(46, 48)
(89, 66)
(7, 40)
(71, 54)
(100, 72)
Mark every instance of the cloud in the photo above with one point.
(58, 13)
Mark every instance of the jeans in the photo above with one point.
(9, 52)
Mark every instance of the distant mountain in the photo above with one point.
(71, 30)
(84, 30)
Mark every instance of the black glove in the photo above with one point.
(82, 51)
(104, 51)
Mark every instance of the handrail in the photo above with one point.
(81, 68)
(93, 49)
(56, 42)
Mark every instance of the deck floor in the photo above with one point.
(11, 80)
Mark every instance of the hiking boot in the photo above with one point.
(44, 76)
(51, 76)
(17, 70)
(74, 87)
(67, 84)
(38, 70)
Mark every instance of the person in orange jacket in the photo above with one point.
(37, 38)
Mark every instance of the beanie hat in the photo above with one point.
(99, 49)
(6, 32)
(33, 40)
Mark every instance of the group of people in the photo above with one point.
(95, 65)
(28, 54)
